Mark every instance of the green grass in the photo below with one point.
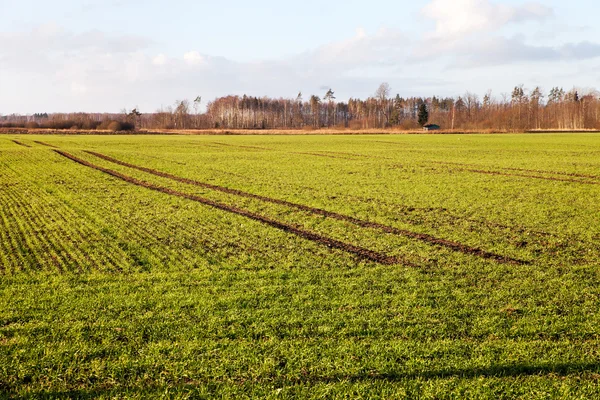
(112, 290)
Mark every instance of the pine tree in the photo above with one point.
(395, 116)
(423, 114)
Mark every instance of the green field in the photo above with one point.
(448, 266)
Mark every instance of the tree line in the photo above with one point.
(522, 109)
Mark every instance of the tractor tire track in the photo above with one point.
(321, 155)
(360, 252)
(21, 143)
(328, 154)
(455, 246)
(549, 178)
(539, 171)
(358, 155)
(243, 146)
(45, 144)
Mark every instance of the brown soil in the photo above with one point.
(549, 178)
(329, 154)
(459, 247)
(45, 144)
(242, 146)
(360, 252)
(320, 155)
(540, 171)
(21, 143)
(357, 155)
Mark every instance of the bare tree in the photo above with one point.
(182, 111)
(381, 95)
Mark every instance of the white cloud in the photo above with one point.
(78, 88)
(160, 59)
(469, 34)
(497, 50)
(194, 58)
(94, 71)
(456, 18)
(384, 48)
(52, 37)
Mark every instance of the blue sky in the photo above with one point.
(94, 55)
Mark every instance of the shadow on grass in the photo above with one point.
(500, 371)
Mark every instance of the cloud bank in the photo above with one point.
(60, 70)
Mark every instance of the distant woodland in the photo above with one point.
(523, 109)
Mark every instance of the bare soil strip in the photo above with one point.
(329, 154)
(320, 155)
(329, 242)
(538, 171)
(45, 144)
(357, 155)
(455, 246)
(242, 147)
(548, 178)
(21, 143)
(291, 152)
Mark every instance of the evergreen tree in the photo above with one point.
(423, 114)
(395, 116)
(329, 96)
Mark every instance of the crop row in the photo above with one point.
(136, 240)
(40, 232)
(459, 247)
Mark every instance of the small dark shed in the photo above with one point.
(431, 127)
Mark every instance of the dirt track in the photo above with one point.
(45, 144)
(468, 167)
(21, 143)
(455, 246)
(360, 252)
(242, 147)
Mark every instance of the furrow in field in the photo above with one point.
(20, 231)
(442, 214)
(242, 146)
(69, 236)
(35, 218)
(9, 244)
(136, 231)
(46, 144)
(485, 171)
(133, 231)
(50, 245)
(455, 246)
(66, 236)
(320, 155)
(540, 171)
(21, 143)
(7, 253)
(329, 242)
(357, 155)
(327, 154)
(446, 214)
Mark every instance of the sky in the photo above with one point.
(107, 55)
